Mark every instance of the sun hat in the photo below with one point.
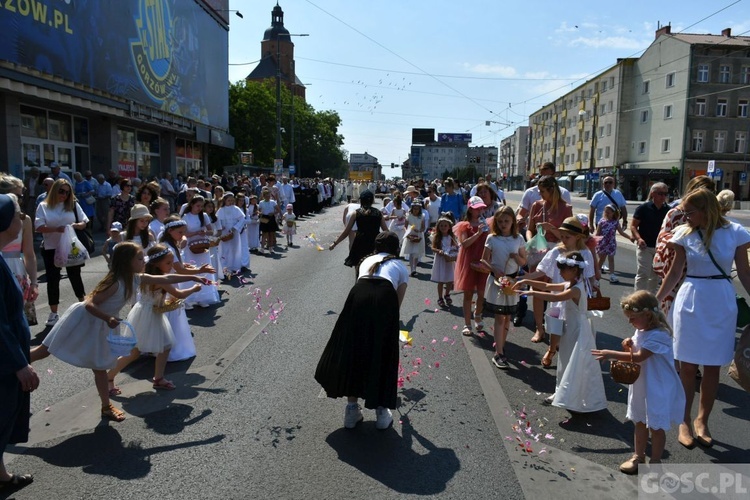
(411, 189)
(116, 226)
(417, 201)
(476, 202)
(139, 212)
(572, 225)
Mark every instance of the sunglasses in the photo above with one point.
(661, 193)
(609, 182)
(688, 214)
(63, 191)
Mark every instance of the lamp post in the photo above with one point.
(278, 90)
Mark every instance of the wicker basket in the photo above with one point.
(506, 285)
(199, 246)
(227, 237)
(598, 303)
(479, 267)
(625, 372)
(122, 344)
(213, 242)
(169, 306)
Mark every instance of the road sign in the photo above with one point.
(743, 178)
(278, 166)
(718, 173)
(711, 166)
(292, 170)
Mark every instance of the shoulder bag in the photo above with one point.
(84, 236)
(743, 309)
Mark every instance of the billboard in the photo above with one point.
(168, 54)
(422, 135)
(461, 138)
(415, 160)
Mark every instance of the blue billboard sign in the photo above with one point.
(168, 54)
(462, 138)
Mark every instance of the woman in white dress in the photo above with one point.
(19, 254)
(704, 312)
(241, 202)
(215, 250)
(253, 227)
(197, 231)
(232, 221)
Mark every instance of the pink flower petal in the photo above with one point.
(433, 341)
(427, 302)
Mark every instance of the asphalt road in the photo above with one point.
(249, 421)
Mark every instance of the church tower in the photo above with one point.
(277, 52)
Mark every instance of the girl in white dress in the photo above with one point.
(160, 211)
(578, 386)
(197, 231)
(80, 336)
(412, 246)
(656, 400)
(445, 249)
(289, 225)
(138, 230)
(232, 222)
(173, 237)
(241, 201)
(397, 217)
(209, 207)
(148, 319)
(504, 253)
(253, 228)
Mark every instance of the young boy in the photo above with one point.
(114, 239)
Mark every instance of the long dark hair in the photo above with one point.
(121, 268)
(130, 233)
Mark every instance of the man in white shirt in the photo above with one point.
(286, 192)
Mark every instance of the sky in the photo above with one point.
(392, 65)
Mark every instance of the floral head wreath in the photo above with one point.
(157, 255)
(634, 309)
(175, 223)
(571, 262)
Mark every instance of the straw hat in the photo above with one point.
(572, 225)
(411, 189)
(139, 212)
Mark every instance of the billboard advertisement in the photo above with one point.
(168, 54)
(462, 138)
(422, 135)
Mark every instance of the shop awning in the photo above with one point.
(581, 178)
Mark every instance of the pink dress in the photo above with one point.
(465, 278)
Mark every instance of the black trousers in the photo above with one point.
(53, 278)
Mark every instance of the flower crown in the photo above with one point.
(157, 255)
(571, 262)
(634, 309)
(175, 223)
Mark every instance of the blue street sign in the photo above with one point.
(292, 170)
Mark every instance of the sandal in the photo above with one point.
(479, 323)
(112, 413)
(547, 359)
(441, 302)
(448, 300)
(164, 384)
(538, 337)
(466, 332)
(17, 481)
(113, 389)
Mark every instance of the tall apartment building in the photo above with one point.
(514, 158)
(433, 160)
(660, 117)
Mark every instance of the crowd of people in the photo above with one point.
(170, 244)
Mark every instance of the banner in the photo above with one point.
(168, 54)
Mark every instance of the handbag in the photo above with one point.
(84, 236)
(625, 372)
(743, 309)
(264, 219)
(598, 302)
(90, 200)
(739, 370)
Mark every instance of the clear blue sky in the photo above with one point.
(389, 66)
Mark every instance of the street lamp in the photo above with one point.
(278, 90)
(236, 12)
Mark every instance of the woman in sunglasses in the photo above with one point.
(54, 214)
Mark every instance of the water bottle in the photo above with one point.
(483, 222)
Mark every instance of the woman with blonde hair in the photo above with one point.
(53, 215)
(704, 315)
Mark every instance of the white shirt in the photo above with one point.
(55, 217)
(393, 270)
(287, 194)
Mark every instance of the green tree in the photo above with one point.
(252, 122)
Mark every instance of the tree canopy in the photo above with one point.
(252, 122)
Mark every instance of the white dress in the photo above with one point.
(501, 248)
(208, 294)
(80, 339)
(442, 270)
(398, 225)
(410, 248)
(183, 346)
(285, 219)
(244, 244)
(657, 398)
(231, 219)
(151, 328)
(705, 311)
(215, 251)
(579, 386)
(253, 230)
